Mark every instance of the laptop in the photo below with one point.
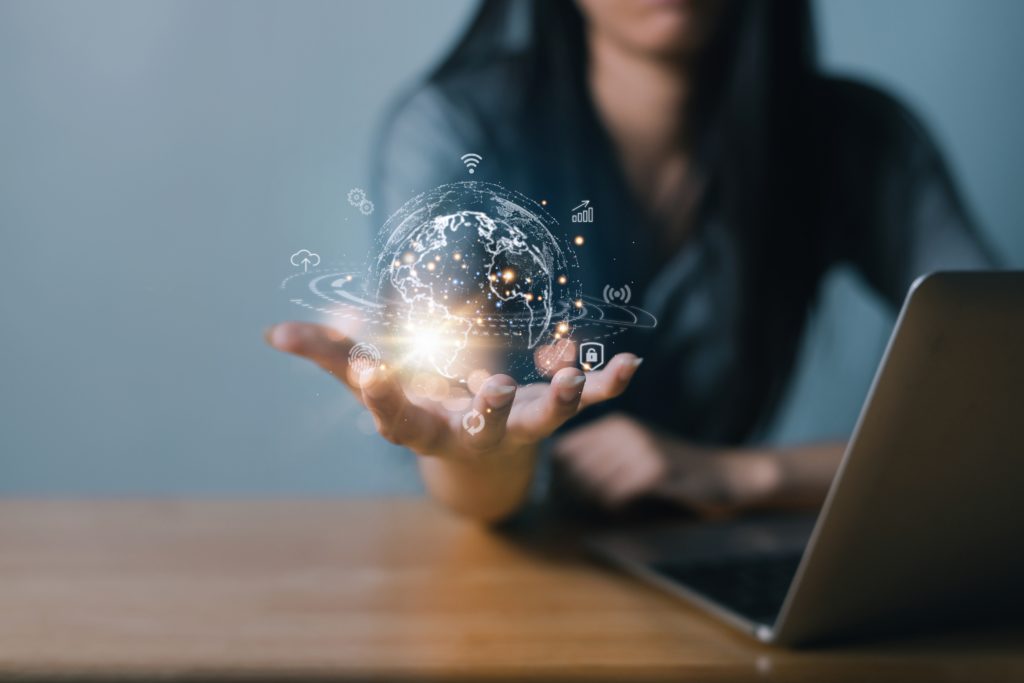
(924, 523)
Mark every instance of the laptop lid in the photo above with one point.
(924, 521)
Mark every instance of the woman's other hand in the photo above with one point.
(619, 459)
(481, 473)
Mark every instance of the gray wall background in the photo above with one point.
(160, 161)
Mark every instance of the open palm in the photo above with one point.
(514, 418)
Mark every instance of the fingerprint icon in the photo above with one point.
(363, 356)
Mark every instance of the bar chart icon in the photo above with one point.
(584, 213)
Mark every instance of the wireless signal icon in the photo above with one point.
(620, 295)
(471, 161)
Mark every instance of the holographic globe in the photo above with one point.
(474, 268)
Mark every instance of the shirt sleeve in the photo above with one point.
(420, 146)
(912, 221)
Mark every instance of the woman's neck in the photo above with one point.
(641, 100)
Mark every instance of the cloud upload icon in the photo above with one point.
(305, 258)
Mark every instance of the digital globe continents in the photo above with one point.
(474, 277)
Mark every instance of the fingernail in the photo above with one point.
(498, 395)
(267, 334)
(569, 387)
(629, 368)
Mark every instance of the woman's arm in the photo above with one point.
(778, 478)
(619, 459)
(896, 211)
(488, 489)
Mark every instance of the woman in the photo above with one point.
(727, 175)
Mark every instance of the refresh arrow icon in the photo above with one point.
(473, 422)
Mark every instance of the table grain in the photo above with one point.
(376, 589)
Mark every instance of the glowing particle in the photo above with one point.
(543, 202)
(509, 275)
(563, 327)
(562, 279)
(457, 256)
(579, 240)
(431, 266)
(579, 303)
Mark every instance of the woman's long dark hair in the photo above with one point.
(754, 142)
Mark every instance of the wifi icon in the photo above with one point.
(471, 161)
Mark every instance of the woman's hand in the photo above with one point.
(619, 459)
(486, 473)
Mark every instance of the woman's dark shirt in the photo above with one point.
(888, 208)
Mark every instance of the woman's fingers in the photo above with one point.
(606, 475)
(614, 457)
(323, 345)
(569, 392)
(399, 420)
(632, 480)
(483, 426)
(550, 358)
(493, 413)
(537, 419)
(611, 381)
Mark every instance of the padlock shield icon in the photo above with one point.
(591, 355)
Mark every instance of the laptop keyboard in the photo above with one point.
(753, 587)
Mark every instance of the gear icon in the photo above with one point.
(356, 196)
(366, 207)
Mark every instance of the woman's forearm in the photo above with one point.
(790, 477)
(488, 489)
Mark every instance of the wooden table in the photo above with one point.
(380, 589)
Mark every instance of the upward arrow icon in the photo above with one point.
(583, 205)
